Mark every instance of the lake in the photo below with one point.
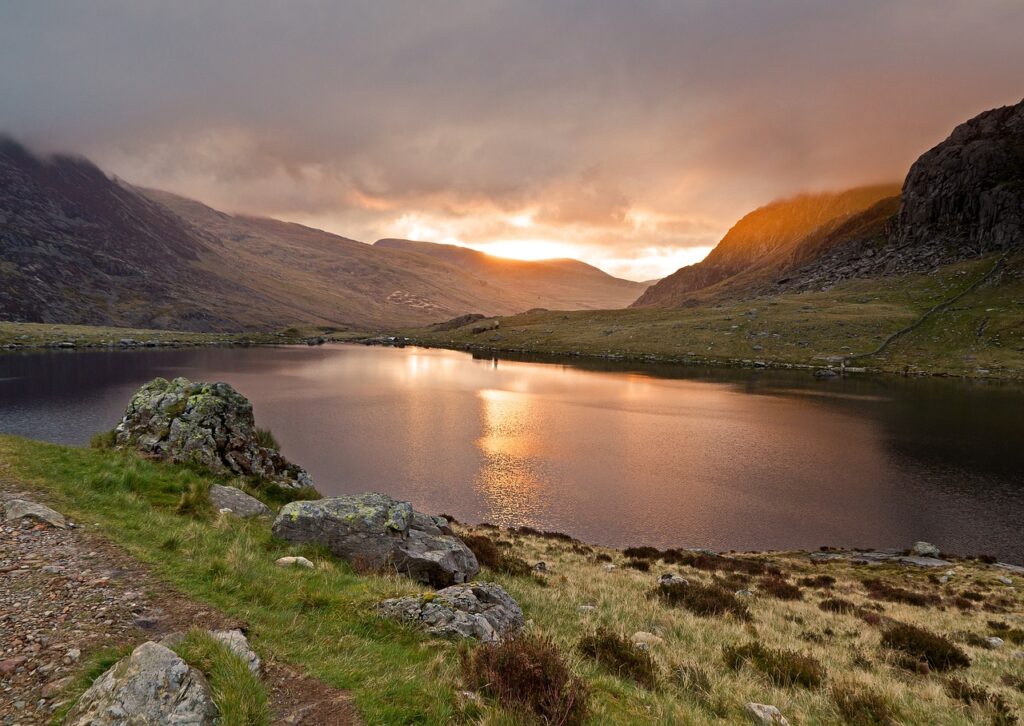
(613, 454)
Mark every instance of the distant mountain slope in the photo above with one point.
(79, 247)
(566, 284)
(759, 244)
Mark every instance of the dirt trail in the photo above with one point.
(67, 593)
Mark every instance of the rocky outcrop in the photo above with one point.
(14, 509)
(150, 686)
(237, 502)
(967, 193)
(480, 610)
(209, 424)
(374, 531)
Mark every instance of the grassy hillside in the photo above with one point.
(981, 334)
(822, 642)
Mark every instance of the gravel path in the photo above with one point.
(67, 593)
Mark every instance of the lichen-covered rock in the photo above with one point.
(375, 532)
(210, 424)
(150, 686)
(925, 549)
(765, 715)
(15, 509)
(480, 610)
(237, 501)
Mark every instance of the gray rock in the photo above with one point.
(765, 715)
(374, 531)
(294, 562)
(923, 561)
(481, 610)
(1012, 568)
(993, 643)
(237, 501)
(671, 579)
(15, 509)
(1005, 580)
(925, 549)
(210, 424)
(150, 686)
(237, 643)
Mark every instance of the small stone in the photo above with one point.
(744, 593)
(609, 568)
(72, 656)
(294, 562)
(765, 715)
(587, 608)
(643, 639)
(670, 579)
(1005, 580)
(238, 644)
(993, 643)
(541, 567)
(11, 665)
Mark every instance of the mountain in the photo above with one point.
(962, 199)
(77, 246)
(573, 285)
(761, 243)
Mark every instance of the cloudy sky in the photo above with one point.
(628, 133)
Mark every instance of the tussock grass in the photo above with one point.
(783, 668)
(266, 439)
(489, 555)
(620, 656)
(707, 600)
(528, 674)
(937, 651)
(322, 620)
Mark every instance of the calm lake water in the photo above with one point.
(614, 455)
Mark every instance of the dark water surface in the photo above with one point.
(655, 455)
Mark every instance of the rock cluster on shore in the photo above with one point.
(209, 424)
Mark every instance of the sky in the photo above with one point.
(630, 134)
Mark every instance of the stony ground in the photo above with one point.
(65, 594)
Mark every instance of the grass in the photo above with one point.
(620, 656)
(937, 651)
(239, 694)
(266, 439)
(322, 620)
(982, 334)
(706, 600)
(783, 668)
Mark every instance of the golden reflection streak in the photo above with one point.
(509, 448)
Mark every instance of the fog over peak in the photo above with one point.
(629, 134)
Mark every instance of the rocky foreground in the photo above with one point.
(414, 617)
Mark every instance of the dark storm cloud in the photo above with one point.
(612, 125)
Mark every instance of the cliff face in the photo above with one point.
(967, 193)
(760, 242)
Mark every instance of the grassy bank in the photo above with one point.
(810, 639)
(15, 336)
(980, 335)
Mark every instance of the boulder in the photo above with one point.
(925, 549)
(15, 509)
(481, 610)
(375, 532)
(765, 715)
(237, 502)
(150, 686)
(209, 424)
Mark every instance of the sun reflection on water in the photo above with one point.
(509, 477)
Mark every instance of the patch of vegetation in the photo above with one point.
(974, 695)
(239, 694)
(490, 556)
(779, 588)
(528, 675)
(640, 565)
(925, 646)
(862, 707)
(784, 668)
(823, 582)
(1006, 631)
(103, 440)
(620, 656)
(837, 605)
(266, 439)
(881, 590)
(704, 600)
(195, 500)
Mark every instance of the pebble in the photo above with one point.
(294, 562)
